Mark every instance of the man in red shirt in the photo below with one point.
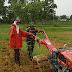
(16, 35)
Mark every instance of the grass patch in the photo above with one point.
(37, 51)
(53, 37)
(56, 29)
(50, 26)
(4, 31)
(4, 36)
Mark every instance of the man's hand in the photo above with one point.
(30, 34)
(36, 38)
(39, 41)
(42, 31)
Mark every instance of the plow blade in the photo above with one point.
(41, 64)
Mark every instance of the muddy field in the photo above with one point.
(7, 63)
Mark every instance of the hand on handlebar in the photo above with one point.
(30, 34)
(38, 40)
(42, 31)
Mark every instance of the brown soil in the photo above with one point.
(7, 63)
(67, 34)
(60, 43)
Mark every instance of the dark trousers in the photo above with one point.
(17, 55)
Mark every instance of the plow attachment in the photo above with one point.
(41, 64)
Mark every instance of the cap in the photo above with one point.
(32, 24)
(17, 19)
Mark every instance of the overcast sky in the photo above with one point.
(64, 7)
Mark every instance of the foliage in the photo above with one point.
(55, 17)
(1, 6)
(63, 17)
(32, 10)
(71, 17)
(3, 11)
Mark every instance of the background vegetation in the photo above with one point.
(29, 10)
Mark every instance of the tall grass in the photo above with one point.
(4, 31)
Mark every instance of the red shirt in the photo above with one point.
(16, 39)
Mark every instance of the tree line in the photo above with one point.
(27, 10)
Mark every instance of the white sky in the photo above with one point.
(64, 7)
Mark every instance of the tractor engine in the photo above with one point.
(62, 60)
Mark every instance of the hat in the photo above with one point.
(32, 24)
(17, 19)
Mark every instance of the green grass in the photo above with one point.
(47, 27)
(53, 37)
(56, 29)
(37, 51)
(55, 23)
(4, 31)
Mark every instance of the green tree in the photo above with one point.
(71, 17)
(3, 10)
(63, 17)
(1, 6)
(49, 7)
(56, 18)
(34, 10)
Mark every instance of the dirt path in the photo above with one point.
(7, 63)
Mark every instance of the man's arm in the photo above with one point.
(24, 34)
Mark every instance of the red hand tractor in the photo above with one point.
(60, 59)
